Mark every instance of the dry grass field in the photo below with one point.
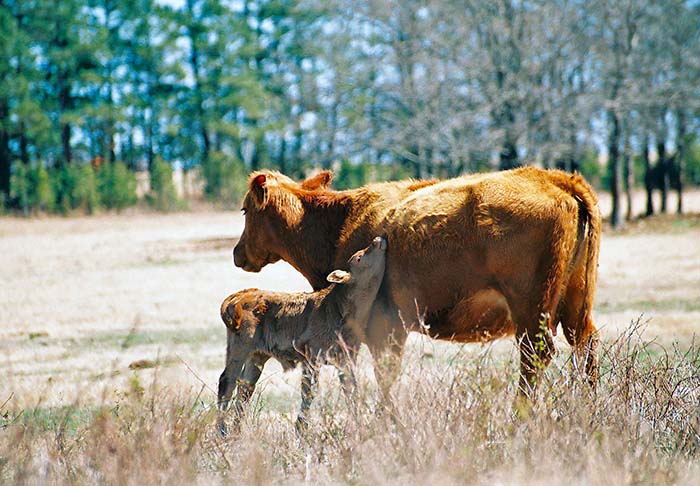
(111, 346)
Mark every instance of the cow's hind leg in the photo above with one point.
(536, 350)
(534, 304)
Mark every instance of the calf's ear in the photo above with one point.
(237, 315)
(339, 277)
(320, 181)
(231, 314)
(258, 187)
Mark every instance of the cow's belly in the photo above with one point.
(479, 317)
(455, 298)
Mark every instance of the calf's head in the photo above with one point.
(272, 206)
(365, 271)
(241, 313)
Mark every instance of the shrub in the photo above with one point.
(593, 171)
(224, 178)
(117, 186)
(85, 194)
(63, 183)
(163, 195)
(19, 187)
(352, 175)
(76, 188)
(32, 188)
(692, 163)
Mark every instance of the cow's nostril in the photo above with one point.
(238, 257)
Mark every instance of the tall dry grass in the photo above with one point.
(450, 420)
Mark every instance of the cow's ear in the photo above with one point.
(258, 187)
(339, 277)
(320, 181)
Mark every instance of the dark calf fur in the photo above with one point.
(307, 328)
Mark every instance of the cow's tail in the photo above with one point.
(589, 228)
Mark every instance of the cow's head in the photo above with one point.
(365, 268)
(272, 207)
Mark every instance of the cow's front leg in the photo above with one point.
(347, 381)
(309, 382)
(387, 352)
(343, 356)
(385, 337)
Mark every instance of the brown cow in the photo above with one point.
(482, 256)
(297, 328)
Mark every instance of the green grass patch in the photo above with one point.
(681, 305)
(130, 339)
(67, 419)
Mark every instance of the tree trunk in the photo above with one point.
(5, 161)
(282, 156)
(680, 157)
(256, 158)
(5, 156)
(664, 179)
(648, 176)
(23, 144)
(508, 155)
(195, 64)
(150, 151)
(296, 147)
(64, 102)
(65, 141)
(615, 168)
(628, 174)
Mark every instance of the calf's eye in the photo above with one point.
(244, 211)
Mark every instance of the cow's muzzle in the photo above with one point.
(239, 258)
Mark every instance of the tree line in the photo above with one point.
(92, 91)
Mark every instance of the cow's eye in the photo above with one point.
(358, 258)
(244, 211)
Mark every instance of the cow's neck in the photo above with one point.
(312, 246)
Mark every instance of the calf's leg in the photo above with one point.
(227, 382)
(309, 383)
(245, 386)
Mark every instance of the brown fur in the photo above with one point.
(299, 327)
(482, 255)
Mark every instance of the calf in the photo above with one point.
(307, 328)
